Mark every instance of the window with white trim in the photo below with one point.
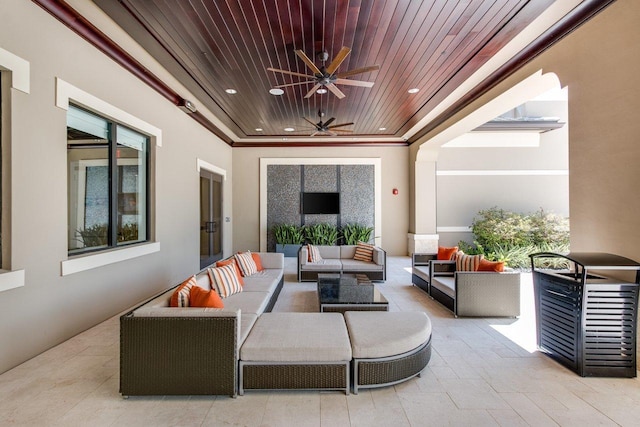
(108, 184)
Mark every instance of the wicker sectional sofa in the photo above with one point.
(339, 259)
(468, 293)
(208, 351)
(168, 350)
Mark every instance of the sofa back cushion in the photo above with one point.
(329, 252)
(347, 251)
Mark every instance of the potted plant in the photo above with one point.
(354, 233)
(289, 238)
(321, 234)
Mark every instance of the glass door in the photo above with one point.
(210, 218)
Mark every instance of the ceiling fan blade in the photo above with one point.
(340, 125)
(358, 71)
(276, 70)
(342, 130)
(314, 133)
(328, 122)
(312, 91)
(337, 92)
(295, 84)
(312, 123)
(338, 60)
(332, 133)
(353, 83)
(309, 62)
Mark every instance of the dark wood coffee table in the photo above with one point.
(349, 292)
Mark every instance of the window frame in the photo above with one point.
(112, 164)
(66, 93)
(15, 81)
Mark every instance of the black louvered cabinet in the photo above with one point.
(587, 319)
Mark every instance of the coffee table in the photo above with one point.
(349, 292)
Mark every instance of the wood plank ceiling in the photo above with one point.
(212, 46)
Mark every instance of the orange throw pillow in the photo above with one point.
(486, 265)
(257, 260)
(232, 261)
(446, 254)
(201, 298)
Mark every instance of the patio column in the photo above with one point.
(424, 239)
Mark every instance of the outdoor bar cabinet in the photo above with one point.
(586, 316)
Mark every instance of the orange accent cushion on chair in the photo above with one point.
(229, 262)
(201, 298)
(180, 297)
(446, 254)
(257, 260)
(486, 265)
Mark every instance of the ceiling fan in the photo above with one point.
(327, 76)
(325, 128)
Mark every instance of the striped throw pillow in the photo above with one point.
(314, 253)
(364, 252)
(225, 280)
(467, 262)
(232, 261)
(180, 297)
(246, 263)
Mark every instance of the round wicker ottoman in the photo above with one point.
(387, 347)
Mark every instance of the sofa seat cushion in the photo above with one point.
(324, 265)
(297, 337)
(354, 265)
(377, 334)
(422, 272)
(446, 285)
(248, 302)
(263, 281)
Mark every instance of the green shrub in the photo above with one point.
(511, 237)
(354, 233)
(321, 234)
(288, 234)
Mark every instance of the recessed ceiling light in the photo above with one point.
(414, 90)
(289, 129)
(258, 129)
(321, 91)
(276, 91)
(382, 128)
(231, 91)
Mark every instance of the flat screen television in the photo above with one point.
(320, 203)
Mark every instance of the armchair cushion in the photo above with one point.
(446, 254)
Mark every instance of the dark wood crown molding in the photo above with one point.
(570, 22)
(85, 29)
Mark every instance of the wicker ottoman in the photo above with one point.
(387, 347)
(296, 351)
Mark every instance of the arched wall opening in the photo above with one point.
(459, 171)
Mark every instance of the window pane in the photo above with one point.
(88, 167)
(132, 183)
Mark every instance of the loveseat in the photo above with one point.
(190, 350)
(340, 259)
(467, 293)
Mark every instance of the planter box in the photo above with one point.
(288, 250)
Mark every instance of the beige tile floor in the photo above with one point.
(482, 372)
